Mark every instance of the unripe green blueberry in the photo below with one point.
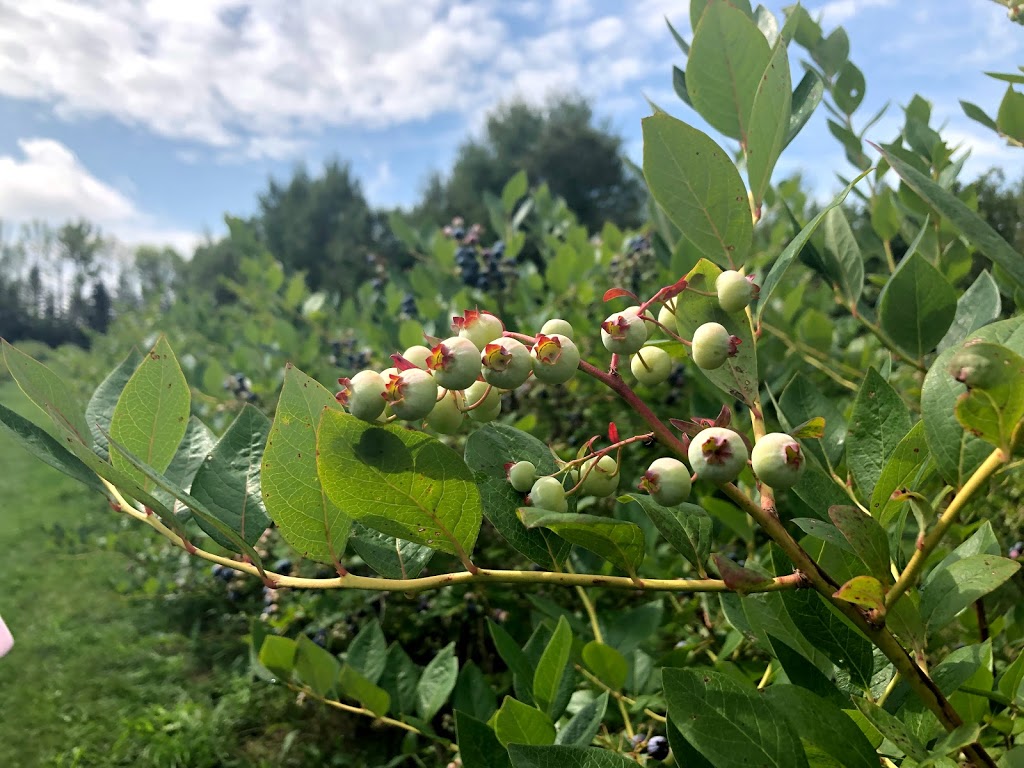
(600, 476)
(717, 455)
(635, 312)
(973, 369)
(651, 365)
(559, 326)
(418, 356)
(522, 475)
(668, 482)
(481, 328)
(506, 363)
(447, 416)
(548, 493)
(712, 346)
(363, 395)
(490, 408)
(623, 333)
(411, 394)
(735, 291)
(778, 460)
(455, 363)
(667, 314)
(555, 358)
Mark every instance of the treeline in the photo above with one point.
(58, 284)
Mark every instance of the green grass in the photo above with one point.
(98, 677)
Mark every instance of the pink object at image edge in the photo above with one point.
(6, 640)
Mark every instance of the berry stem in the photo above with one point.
(908, 578)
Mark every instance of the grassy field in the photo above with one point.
(98, 677)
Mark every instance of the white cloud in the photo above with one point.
(49, 182)
(258, 78)
(839, 11)
(604, 32)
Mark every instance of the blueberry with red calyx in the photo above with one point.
(283, 565)
(657, 748)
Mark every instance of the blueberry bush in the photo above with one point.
(752, 467)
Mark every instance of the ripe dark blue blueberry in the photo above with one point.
(657, 747)
(284, 565)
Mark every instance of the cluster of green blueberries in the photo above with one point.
(463, 377)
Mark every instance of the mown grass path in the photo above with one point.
(83, 659)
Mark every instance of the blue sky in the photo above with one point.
(155, 117)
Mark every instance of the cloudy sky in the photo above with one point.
(155, 117)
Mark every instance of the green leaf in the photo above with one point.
(294, 498)
(390, 557)
(679, 85)
(197, 444)
(729, 724)
(803, 399)
(402, 483)
(1011, 681)
(1010, 117)
(400, 678)
(769, 122)
(198, 509)
(958, 453)
(867, 539)
(843, 260)
(879, 421)
(368, 652)
(728, 57)
(699, 188)
(437, 682)
(355, 686)
(552, 666)
(885, 216)
(774, 277)
(828, 631)
(947, 591)
(848, 89)
(891, 728)
(865, 591)
(977, 307)
(966, 221)
(513, 191)
(473, 693)
(39, 443)
(977, 114)
(805, 100)
(686, 527)
(804, 673)
(906, 468)
(608, 664)
(100, 409)
(518, 723)
(525, 756)
(584, 725)
(151, 415)
(738, 377)
(47, 390)
(515, 659)
(315, 667)
(994, 408)
(278, 655)
(488, 450)
(823, 725)
(619, 542)
(917, 306)
(478, 745)
(228, 482)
